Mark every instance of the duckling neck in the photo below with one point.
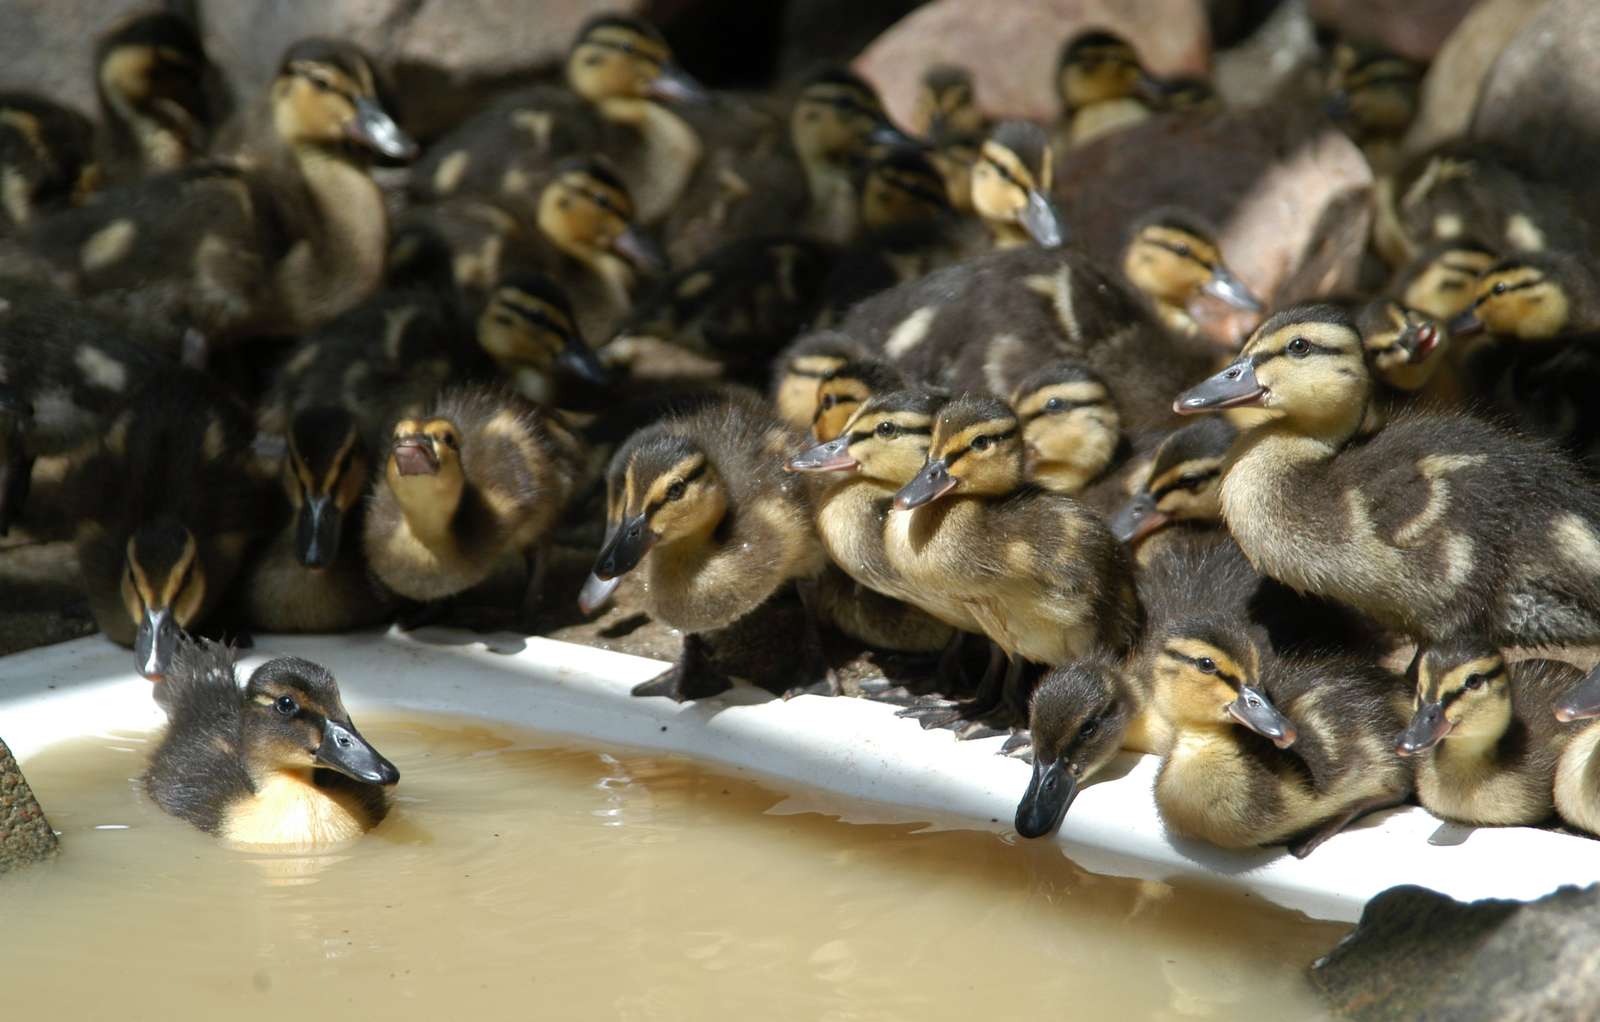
(429, 504)
(1479, 746)
(670, 153)
(340, 260)
(290, 809)
(1175, 316)
(1007, 235)
(834, 212)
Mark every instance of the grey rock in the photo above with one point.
(25, 835)
(1420, 956)
(48, 45)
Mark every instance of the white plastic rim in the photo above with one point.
(851, 747)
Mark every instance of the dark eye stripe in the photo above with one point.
(1067, 406)
(628, 48)
(993, 438)
(535, 317)
(1506, 290)
(1233, 681)
(1188, 482)
(1181, 251)
(1312, 348)
(1004, 172)
(699, 470)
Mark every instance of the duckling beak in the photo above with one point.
(580, 360)
(1255, 711)
(415, 456)
(675, 85)
(376, 130)
(640, 250)
(1234, 387)
(833, 456)
(317, 531)
(1429, 726)
(154, 643)
(1050, 793)
(343, 749)
(1466, 324)
(624, 549)
(1582, 702)
(885, 133)
(1224, 285)
(1042, 220)
(933, 482)
(1137, 519)
(1421, 341)
(596, 591)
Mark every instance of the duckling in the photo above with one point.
(1011, 187)
(1373, 93)
(152, 83)
(276, 763)
(482, 476)
(1435, 525)
(1535, 298)
(46, 158)
(1409, 352)
(1078, 719)
(1098, 78)
(1441, 279)
(1575, 783)
(277, 241)
(167, 505)
(1183, 484)
(65, 370)
(529, 329)
(1038, 571)
(1173, 260)
(311, 577)
(949, 118)
(1267, 749)
(619, 101)
(798, 373)
(1485, 737)
(844, 390)
(1072, 433)
(704, 497)
(1183, 95)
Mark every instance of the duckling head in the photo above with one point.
(1070, 425)
(1180, 94)
(976, 450)
(1371, 90)
(163, 589)
(295, 720)
(885, 440)
(661, 490)
(803, 368)
(529, 329)
(325, 475)
(1183, 484)
(327, 94)
(1011, 186)
(947, 104)
(843, 391)
(1463, 691)
(425, 473)
(1403, 345)
(620, 57)
(1442, 279)
(1096, 67)
(1207, 676)
(902, 187)
(1174, 260)
(1306, 364)
(837, 117)
(1076, 718)
(1526, 297)
(151, 71)
(585, 210)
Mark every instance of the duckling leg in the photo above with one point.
(692, 677)
(537, 561)
(946, 677)
(16, 473)
(934, 712)
(829, 685)
(1308, 844)
(1019, 746)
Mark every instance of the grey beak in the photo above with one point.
(343, 749)
(1224, 285)
(1044, 805)
(1043, 221)
(376, 130)
(155, 642)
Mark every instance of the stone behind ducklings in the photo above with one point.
(1420, 956)
(25, 834)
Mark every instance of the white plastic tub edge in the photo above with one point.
(850, 747)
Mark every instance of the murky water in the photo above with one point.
(519, 880)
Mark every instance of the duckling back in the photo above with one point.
(197, 772)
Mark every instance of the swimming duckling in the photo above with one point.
(1485, 738)
(1038, 571)
(799, 371)
(703, 496)
(1183, 484)
(619, 100)
(1173, 260)
(947, 115)
(312, 577)
(1577, 793)
(1011, 187)
(154, 85)
(1098, 78)
(1435, 525)
(167, 505)
(46, 158)
(1267, 749)
(277, 763)
(481, 477)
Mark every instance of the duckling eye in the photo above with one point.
(450, 441)
(828, 401)
(1090, 727)
(593, 60)
(675, 491)
(981, 444)
(1499, 287)
(1475, 681)
(1182, 251)
(887, 430)
(1055, 404)
(1299, 347)
(286, 706)
(1206, 665)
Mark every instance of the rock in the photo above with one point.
(25, 835)
(1541, 100)
(1450, 90)
(1420, 956)
(1411, 28)
(1011, 47)
(1286, 190)
(1280, 60)
(48, 45)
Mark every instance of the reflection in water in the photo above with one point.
(517, 877)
